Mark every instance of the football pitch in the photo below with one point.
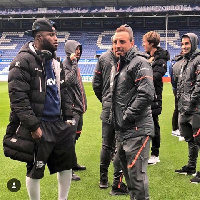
(164, 184)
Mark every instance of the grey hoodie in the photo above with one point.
(75, 97)
(188, 90)
(194, 41)
(70, 47)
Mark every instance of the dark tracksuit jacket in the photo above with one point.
(132, 95)
(101, 83)
(188, 95)
(188, 92)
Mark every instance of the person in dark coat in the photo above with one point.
(101, 87)
(158, 60)
(75, 98)
(188, 95)
(36, 84)
(132, 93)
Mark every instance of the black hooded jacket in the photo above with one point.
(75, 98)
(132, 94)
(101, 83)
(188, 88)
(159, 66)
(27, 91)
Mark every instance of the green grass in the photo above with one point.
(164, 184)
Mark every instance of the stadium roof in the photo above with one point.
(9, 4)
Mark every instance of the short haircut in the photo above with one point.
(126, 28)
(153, 38)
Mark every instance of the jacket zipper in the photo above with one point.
(40, 84)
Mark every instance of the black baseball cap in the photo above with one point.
(42, 24)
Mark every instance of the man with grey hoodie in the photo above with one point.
(188, 95)
(75, 98)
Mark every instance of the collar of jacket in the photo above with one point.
(192, 55)
(160, 53)
(131, 53)
(41, 55)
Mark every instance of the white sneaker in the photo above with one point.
(181, 139)
(153, 160)
(176, 133)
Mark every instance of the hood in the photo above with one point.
(38, 54)
(70, 47)
(135, 52)
(177, 58)
(194, 41)
(160, 53)
(28, 47)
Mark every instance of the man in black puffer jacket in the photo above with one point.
(132, 93)
(188, 95)
(36, 84)
(158, 60)
(101, 87)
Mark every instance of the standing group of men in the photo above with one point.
(48, 101)
(130, 112)
(124, 82)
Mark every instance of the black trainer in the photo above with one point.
(186, 170)
(103, 184)
(196, 179)
(121, 190)
(79, 168)
(75, 177)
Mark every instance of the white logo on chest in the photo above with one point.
(51, 81)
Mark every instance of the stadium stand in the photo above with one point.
(92, 41)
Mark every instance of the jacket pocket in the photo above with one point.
(19, 148)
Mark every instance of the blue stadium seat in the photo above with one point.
(92, 41)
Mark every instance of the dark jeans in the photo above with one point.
(156, 139)
(107, 152)
(133, 154)
(187, 129)
(175, 113)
